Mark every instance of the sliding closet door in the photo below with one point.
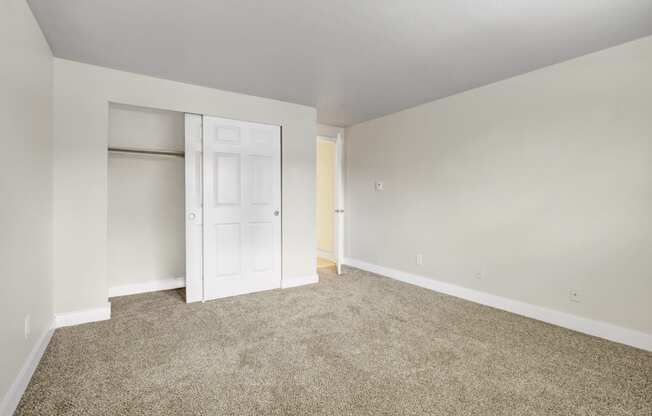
(242, 203)
(194, 174)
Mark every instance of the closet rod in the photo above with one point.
(146, 152)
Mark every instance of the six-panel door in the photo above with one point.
(241, 212)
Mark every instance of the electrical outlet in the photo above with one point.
(379, 186)
(574, 296)
(479, 275)
(27, 326)
(419, 259)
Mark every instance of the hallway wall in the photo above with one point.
(325, 196)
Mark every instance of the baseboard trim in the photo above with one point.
(82, 317)
(299, 281)
(576, 323)
(145, 287)
(18, 387)
(325, 255)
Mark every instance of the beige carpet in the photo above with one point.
(354, 345)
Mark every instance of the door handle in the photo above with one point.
(276, 212)
(192, 216)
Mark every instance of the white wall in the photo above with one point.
(542, 183)
(325, 196)
(81, 100)
(329, 131)
(146, 194)
(25, 190)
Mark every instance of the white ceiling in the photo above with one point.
(352, 59)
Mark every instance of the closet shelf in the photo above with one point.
(147, 152)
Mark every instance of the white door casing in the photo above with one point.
(339, 203)
(194, 215)
(242, 207)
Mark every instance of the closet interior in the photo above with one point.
(146, 193)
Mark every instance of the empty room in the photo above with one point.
(370, 207)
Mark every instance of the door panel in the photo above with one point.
(242, 232)
(225, 134)
(194, 195)
(227, 250)
(227, 179)
(262, 235)
(261, 177)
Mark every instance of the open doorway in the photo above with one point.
(329, 201)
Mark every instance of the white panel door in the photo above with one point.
(242, 207)
(194, 191)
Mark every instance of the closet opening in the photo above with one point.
(194, 201)
(146, 200)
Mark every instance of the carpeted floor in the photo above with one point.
(354, 345)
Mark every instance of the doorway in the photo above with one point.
(329, 202)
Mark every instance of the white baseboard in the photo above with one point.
(325, 255)
(82, 317)
(576, 323)
(299, 281)
(153, 286)
(18, 387)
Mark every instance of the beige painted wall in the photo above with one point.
(25, 189)
(146, 194)
(81, 100)
(325, 195)
(542, 183)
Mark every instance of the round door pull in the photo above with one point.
(192, 216)
(276, 213)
